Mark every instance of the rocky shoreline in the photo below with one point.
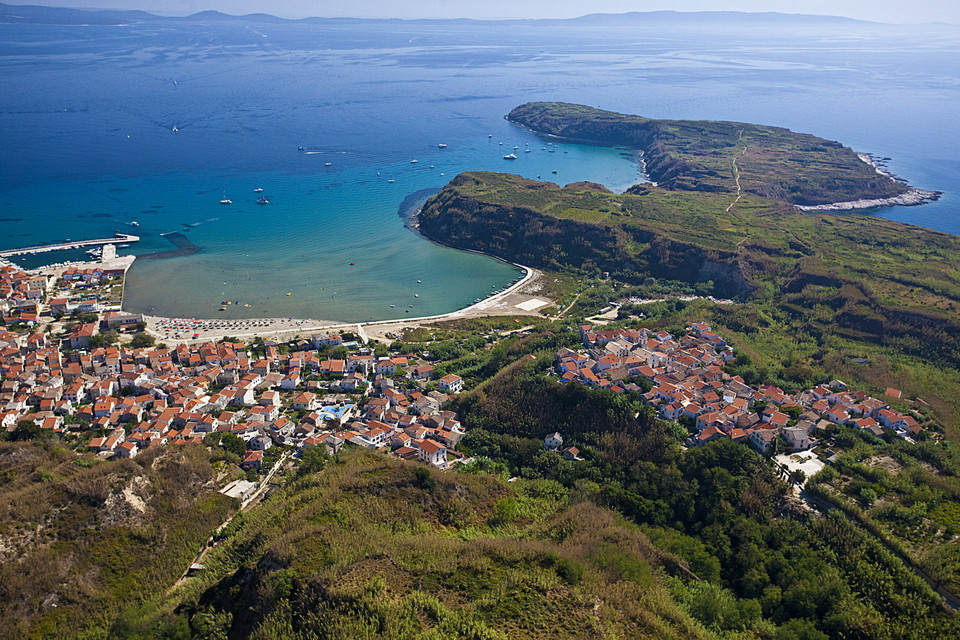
(911, 198)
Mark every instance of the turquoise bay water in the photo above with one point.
(87, 118)
(330, 236)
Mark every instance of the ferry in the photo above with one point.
(510, 156)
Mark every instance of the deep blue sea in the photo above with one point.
(87, 119)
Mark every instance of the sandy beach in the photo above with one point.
(516, 300)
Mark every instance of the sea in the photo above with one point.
(145, 128)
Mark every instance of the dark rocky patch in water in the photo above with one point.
(183, 248)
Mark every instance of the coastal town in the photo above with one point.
(685, 383)
(329, 391)
(126, 399)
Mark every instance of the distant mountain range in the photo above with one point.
(34, 14)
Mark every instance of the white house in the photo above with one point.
(451, 383)
(553, 441)
(433, 453)
(798, 439)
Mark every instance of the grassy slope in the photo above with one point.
(76, 549)
(698, 155)
(899, 265)
(366, 549)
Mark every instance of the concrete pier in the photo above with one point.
(77, 244)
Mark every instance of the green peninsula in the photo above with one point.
(724, 157)
(817, 284)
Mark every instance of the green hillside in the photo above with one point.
(373, 547)
(81, 538)
(703, 155)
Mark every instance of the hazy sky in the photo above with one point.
(896, 11)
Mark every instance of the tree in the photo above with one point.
(424, 479)
(28, 430)
(233, 444)
(142, 340)
(104, 339)
(313, 459)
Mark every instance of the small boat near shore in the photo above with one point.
(510, 156)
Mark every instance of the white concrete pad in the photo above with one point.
(532, 304)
